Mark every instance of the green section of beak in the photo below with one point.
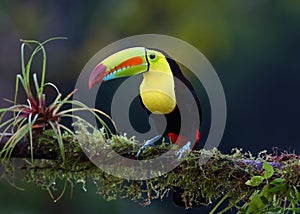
(124, 63)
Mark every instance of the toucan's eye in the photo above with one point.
(152, 56)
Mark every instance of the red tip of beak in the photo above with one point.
(97, 75)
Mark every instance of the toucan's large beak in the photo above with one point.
(124, 63)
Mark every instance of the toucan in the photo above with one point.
(164, 90)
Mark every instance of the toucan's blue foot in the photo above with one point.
(148, 143)
(184, 150)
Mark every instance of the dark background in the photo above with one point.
(253, 45)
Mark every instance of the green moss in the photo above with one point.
(222, 176)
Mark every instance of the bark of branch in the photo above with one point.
(49, 152)
(22, 149)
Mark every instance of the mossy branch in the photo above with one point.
(268, 181)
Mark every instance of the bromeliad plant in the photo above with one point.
(36, 115)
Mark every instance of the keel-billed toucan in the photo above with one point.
(164, 90)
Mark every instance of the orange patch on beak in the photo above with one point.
(128, 63)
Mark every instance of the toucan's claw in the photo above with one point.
(184, 150)
(148, 143)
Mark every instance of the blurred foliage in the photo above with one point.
(253, 45)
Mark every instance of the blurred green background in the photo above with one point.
(253, 45)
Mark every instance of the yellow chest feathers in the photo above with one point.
(157, 92)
